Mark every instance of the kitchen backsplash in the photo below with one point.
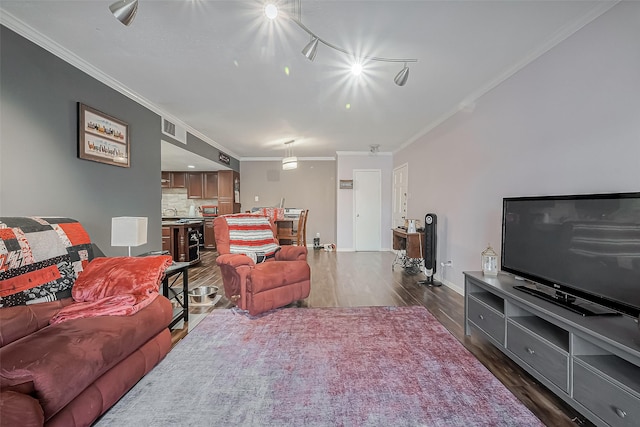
(176, 198)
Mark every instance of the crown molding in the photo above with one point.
(36, 37)
(279, 159)
(468, 103)
(364, 153)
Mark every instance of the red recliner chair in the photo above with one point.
(257, 274)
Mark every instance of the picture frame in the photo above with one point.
(102, 138)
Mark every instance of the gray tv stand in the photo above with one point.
(592, 363)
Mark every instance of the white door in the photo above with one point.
(400, 188)
(367, 207)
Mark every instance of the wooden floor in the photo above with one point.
(351, 279)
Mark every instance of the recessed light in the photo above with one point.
(356, 69)
(191, 166)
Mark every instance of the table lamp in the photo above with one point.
(128, 231)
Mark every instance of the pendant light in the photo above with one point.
(290, 161)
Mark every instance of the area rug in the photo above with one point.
(372, 366)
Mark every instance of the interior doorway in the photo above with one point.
(400, 188)
(367, 190)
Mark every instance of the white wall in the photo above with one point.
(567, 123)
(346, 164)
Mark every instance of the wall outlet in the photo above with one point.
(256, 199)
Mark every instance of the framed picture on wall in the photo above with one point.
(102, 138)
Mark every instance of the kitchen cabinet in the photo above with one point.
(202, 185)
(178, 179)
(173, 179)
(228, 192)
(195, 187)
(210, 180)
(209, 235)
(184, 240)
(167, 241)
(165, 180)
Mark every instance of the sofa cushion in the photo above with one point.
(19, 321)
(77, 353)
(251, 234)
(40, 258)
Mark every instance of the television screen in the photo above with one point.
(585, 245)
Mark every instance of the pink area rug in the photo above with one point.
(375, 366)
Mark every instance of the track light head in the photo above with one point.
(310, 49)
(402, 76)
(124, 10)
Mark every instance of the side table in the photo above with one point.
(177, 269)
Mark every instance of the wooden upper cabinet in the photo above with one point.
(228, 184)
(165, 180)
(173, 179)
(195, 189)
(225, 186)
(210, 185)
(178, 179)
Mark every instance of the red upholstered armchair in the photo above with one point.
(284, 277)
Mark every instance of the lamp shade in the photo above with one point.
(289, 163)
(128, 231)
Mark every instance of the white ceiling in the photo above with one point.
(219, 67)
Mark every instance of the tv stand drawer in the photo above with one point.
(486, 319)
(611, 403)
(544, 358)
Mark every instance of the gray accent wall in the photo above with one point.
(40, 173)
(567, 123)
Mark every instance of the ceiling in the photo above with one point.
(239, 81)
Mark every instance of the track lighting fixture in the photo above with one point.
(124, 10)
(310, 49)
(402, 76)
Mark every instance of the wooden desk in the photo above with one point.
(409, 242)
(409, 250)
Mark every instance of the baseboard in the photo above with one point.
(453, 286)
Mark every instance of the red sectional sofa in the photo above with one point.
(70, 372)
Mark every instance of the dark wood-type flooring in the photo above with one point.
(351, 279)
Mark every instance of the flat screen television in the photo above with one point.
(576, 250)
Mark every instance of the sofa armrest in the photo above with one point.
(292, 253)
(18, 409)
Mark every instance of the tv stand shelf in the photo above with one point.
(591, 362)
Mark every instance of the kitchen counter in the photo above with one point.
(182, 221)
(181, 237)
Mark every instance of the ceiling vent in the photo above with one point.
(176, 132)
